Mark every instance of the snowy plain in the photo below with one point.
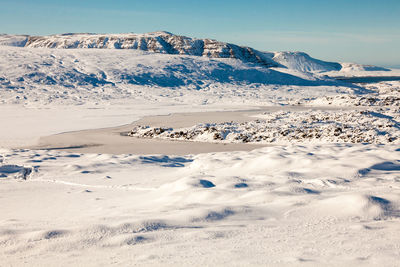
(318, 202)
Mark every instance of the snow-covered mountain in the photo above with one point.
(157, 42)
(77, 67)
(168, 43)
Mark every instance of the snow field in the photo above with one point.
(138, 203)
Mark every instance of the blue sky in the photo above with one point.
(363, 31)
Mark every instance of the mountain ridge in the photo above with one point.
(163, 42)
(157, 42)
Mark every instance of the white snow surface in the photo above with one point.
(59, 76)
(306, 202)
(282, 205)
(382, 94)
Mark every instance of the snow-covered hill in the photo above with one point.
(83, 68)
(303, 62)
(45, 75)
(157, 42)
(168, 43)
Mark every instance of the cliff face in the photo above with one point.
(158, 42)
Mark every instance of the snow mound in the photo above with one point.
(356, 205)
(136, 207)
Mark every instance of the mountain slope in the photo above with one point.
(303, 62)
(91, 75)
(168, 43)
(157, 42)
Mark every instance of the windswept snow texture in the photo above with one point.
(382, 94)
(30, 75)
(281, 205)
